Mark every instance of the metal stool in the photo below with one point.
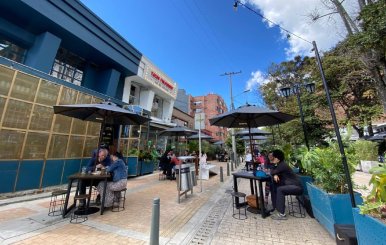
(57, 202)
(80, 214)
(119, 200)
(295, 207)
(242, 205)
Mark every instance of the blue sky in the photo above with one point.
(195, 41)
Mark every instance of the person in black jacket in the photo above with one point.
(285, 182)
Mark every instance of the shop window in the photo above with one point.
(68, 67)
(11, 144)
(48, 93)
(41, 118)
(75, 147)
(35, 146)
(68, 96)
(156, 110)
(79, 126)
(6, 76)
(17, 114)
(12, 51)
(124, 146)
(135, 130)
(62, 124)
(133, 144)
(58, 146)
(25, 87)
(90, 145)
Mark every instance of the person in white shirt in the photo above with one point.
(248, 160)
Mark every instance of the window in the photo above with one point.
(68, 67)
(198, 110)
(197, 102)
(11, 51)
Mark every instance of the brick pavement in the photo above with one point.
(202, 218)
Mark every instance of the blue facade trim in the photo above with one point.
(52, 174)
(42, 54)
(30, 172)
(71, 166)
(8, 172)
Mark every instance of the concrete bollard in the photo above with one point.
(232, 166)
(221, 175)
(154, 229)
(228, 170)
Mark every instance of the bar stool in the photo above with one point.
(242, 205)
(294, 206)
(80, 214)
(57, 202)
(119, 200)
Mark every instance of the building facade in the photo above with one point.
(207, 107)
(59, 52)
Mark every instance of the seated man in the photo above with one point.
(285, 182)
(102, 161)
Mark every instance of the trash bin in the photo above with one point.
(185, 177)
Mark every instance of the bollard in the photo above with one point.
(232, 166)
(228, 172)
(221, 175)
(154, 229)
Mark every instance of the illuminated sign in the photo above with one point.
(161, 80)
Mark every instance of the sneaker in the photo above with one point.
(279, 216)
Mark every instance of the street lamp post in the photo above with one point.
(296, 89)
(230, 74)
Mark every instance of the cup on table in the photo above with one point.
(84, 170)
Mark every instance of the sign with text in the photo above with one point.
(199, 121)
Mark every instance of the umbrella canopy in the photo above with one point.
(250, 116)
(105, 113)
(254, 131)
(203, 137)
(178, 131)
(256, 137)
(220, 142)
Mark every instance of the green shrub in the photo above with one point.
(366, 150)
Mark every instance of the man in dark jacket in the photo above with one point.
(285, 182)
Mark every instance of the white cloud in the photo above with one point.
(293, 16)
(257, 79)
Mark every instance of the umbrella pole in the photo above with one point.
(199, 155)
(251, 148)
(273, 136)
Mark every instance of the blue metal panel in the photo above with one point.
(305, 179)
(330, 209)
(369, 231)
(8, 170)
(29, 175)
(53, 172)
(146, 167)
(133, 168)
(42, 54)
(71, 166)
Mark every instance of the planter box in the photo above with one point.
(305, 179)
(369, 230)
(146, 167)
(305, 199)
(132, 166)
(330, 209)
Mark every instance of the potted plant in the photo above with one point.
(370, 218)
(329, 196)
(145, 161)
(132, 162)
(367, 153)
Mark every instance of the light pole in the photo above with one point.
(330, 103)
(230, 74)
(296, 89)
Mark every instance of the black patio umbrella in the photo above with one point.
(220, 142)
(104, 113)
(178, 131)
(254, 131)
(254, 137)
(250, 116)
(203, 137)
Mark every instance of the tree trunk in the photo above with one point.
(348, 23)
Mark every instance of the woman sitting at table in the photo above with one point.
(285, 182)
(118, 170)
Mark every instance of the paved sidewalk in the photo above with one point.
(202, 218)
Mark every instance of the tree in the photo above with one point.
(367, 35)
